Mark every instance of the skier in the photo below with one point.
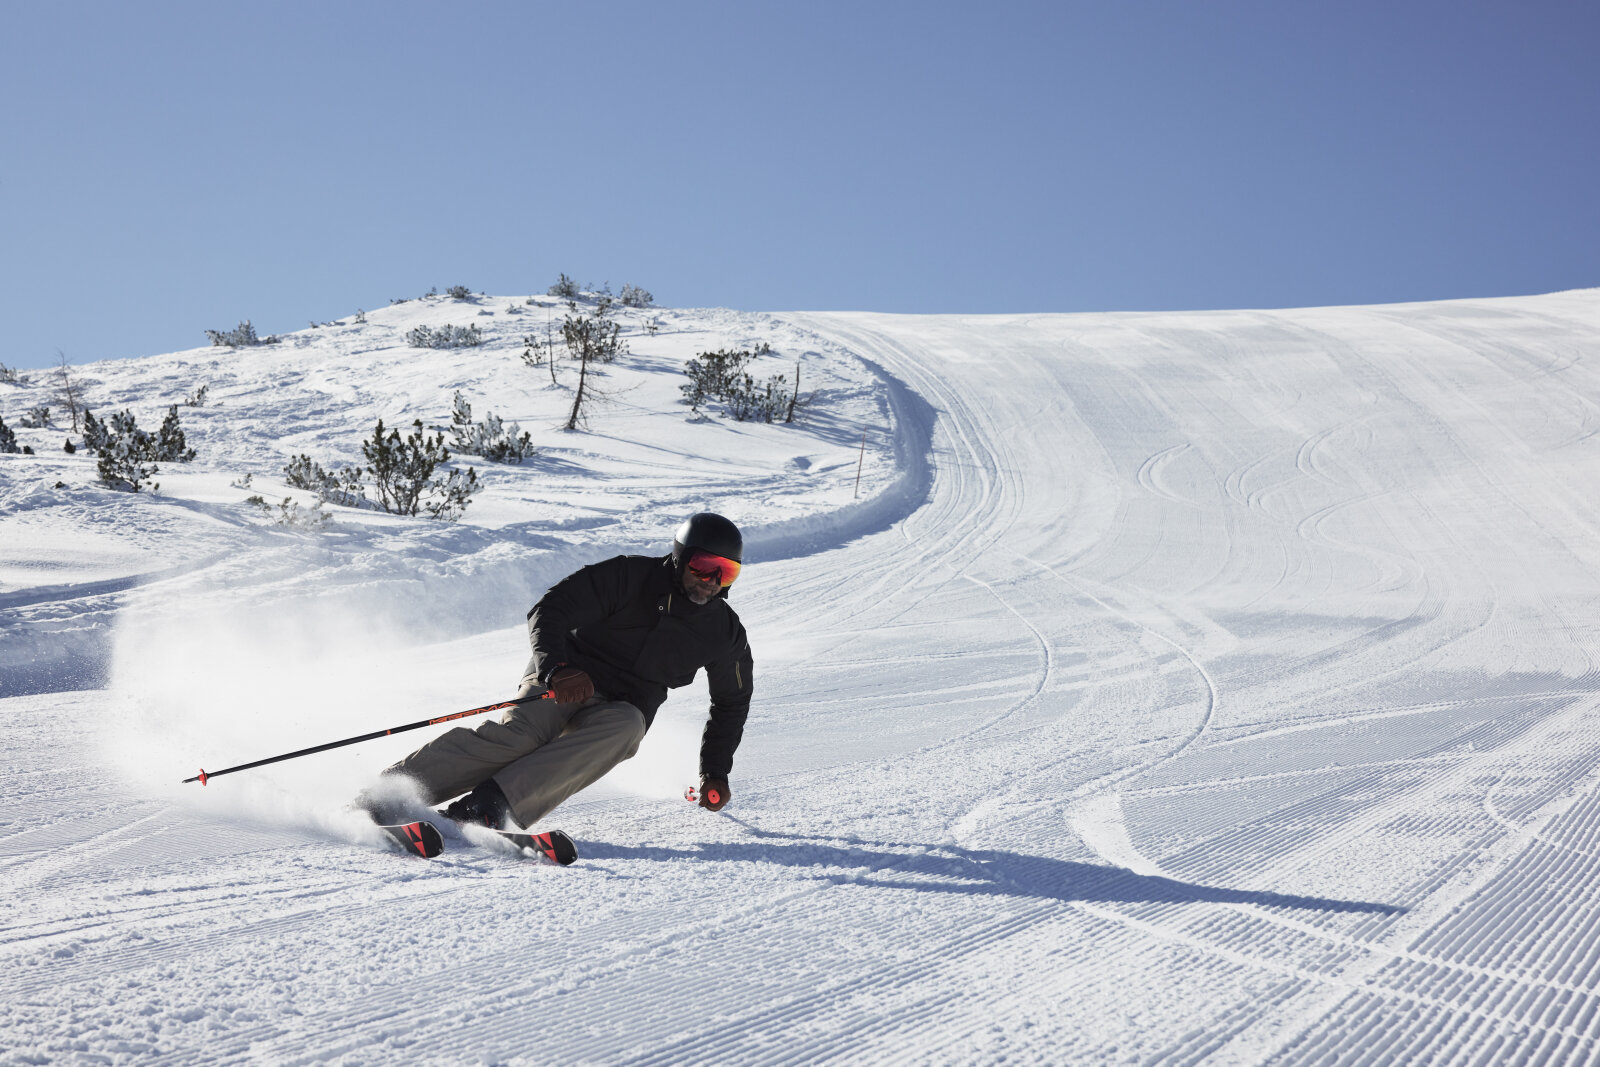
(608, 641)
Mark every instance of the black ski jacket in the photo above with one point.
(627, 623)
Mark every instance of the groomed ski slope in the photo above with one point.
(1193, 687)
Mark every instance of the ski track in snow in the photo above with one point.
(1183, 688)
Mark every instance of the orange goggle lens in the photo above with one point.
(705, 566)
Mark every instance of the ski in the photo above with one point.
(554, 845)
(418, 838)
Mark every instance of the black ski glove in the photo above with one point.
(571, 685)
(714, 793)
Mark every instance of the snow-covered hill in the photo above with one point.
(1186, 687)
(73, 547)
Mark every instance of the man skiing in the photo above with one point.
(608, 641)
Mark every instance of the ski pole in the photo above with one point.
(203, 777)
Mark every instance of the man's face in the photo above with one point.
(700, 590)
(705, 575)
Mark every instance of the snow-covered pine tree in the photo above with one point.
(460, 423)
(341, 486)
(446, 336)
(170, 445)
(452, 495)
(127, 458)
(94, 432)
(489, 438)
(590, 339)
(714, 376)
(241, 336)
(403, 471)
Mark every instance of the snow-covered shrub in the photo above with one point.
(713, 375)
(635, 297)
(721, 375)
(458, 292)
(402, 470)
(127, 454)
(94, 432)
(302, 472)
(12, 376)
(593, 338)
(67, 392)
(590, 339)
(312, 518)
(290, 515)
(197, 399)
(451, 496)
(170, 446)
(565, 288)
(765, 403)
(490, 438)
(241, 336)
(342, 486)
(460, 420)
(36, 418)
(8, 440)
(403, 473)
(446, 336)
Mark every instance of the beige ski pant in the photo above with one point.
(539, 754)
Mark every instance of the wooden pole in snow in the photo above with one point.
(859, 462)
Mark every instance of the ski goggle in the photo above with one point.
(709, 568)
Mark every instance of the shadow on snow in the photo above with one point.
(947, 869)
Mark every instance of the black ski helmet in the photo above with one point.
(709, 532)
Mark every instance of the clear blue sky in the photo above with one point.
(173, 167)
